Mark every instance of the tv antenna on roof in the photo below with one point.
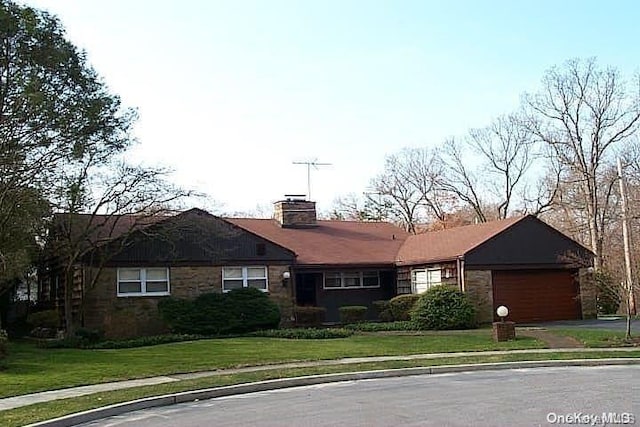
(309, 164)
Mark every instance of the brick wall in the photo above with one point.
(125, 317)
(587, 294)
(478, 286)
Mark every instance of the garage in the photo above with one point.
(537, 295)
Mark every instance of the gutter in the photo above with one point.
(460, 268)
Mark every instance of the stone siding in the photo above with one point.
(126, 317)
(478, 285)
(588, 294)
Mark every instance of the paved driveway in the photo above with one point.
(617, 324)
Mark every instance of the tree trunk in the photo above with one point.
(68, 303)
(595, 246)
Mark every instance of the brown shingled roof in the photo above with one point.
(446, 245)
(333, 242)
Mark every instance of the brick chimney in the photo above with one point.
(295, 213)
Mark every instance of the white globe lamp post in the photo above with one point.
(502, 312)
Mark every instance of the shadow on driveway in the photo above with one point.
(613, 324)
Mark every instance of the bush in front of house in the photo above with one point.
(305, 333)
(309, 316)
(401, 306)
(352, 314)
(214, 314)
(89, 336)
(251, 310)
(382, 309)
(44, 324)
(74, 342)
(442, 308)
(400, 325)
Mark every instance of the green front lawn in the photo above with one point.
(30, 369)
(593, 337)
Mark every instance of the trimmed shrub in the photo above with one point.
(305, 333)
(89, 335)
(137, 342)
(401, 325)
(442, 307)
(214, 314)
(44, 319)
(401, 305)
(309, 316)
(382, 310)
(352, 314)
(250, 310)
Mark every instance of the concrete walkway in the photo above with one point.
(47, 396)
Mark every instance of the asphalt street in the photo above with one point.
(539, 396)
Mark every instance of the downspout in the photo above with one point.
(460, 267)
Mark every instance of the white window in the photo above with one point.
(244, 277)
(422, 280)
(351, 279)
(143, 281)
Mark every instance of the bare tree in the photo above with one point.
(508, 151)
(462, 180)
(398, 191)
(487, 169)
(372, 206)
(99, 202)
(582, 113)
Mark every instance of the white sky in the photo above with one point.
(231, 92)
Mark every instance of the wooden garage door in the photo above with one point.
(535, 296)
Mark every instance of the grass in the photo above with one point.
(43, 411)
(595, 338)
(30, 369)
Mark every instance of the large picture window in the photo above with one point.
(244, 277)
(422, 280)
(351, 279)
(143, 281)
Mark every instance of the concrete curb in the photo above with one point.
(190, 396)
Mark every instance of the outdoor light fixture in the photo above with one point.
(502, 312)
(285, 278)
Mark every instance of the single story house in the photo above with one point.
(523, 263)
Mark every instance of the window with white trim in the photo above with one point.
(351, 279)
(245, 277)
(143, 281)
(424, 279)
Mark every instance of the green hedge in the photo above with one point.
(76, 342)
(442, 307)
(352, 314)
(382, 309)
(44, 319)
(238, 311)
(401, 325)
(309, 316)
(402, 305)
(305, 333)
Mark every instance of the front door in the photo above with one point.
(306, 285)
